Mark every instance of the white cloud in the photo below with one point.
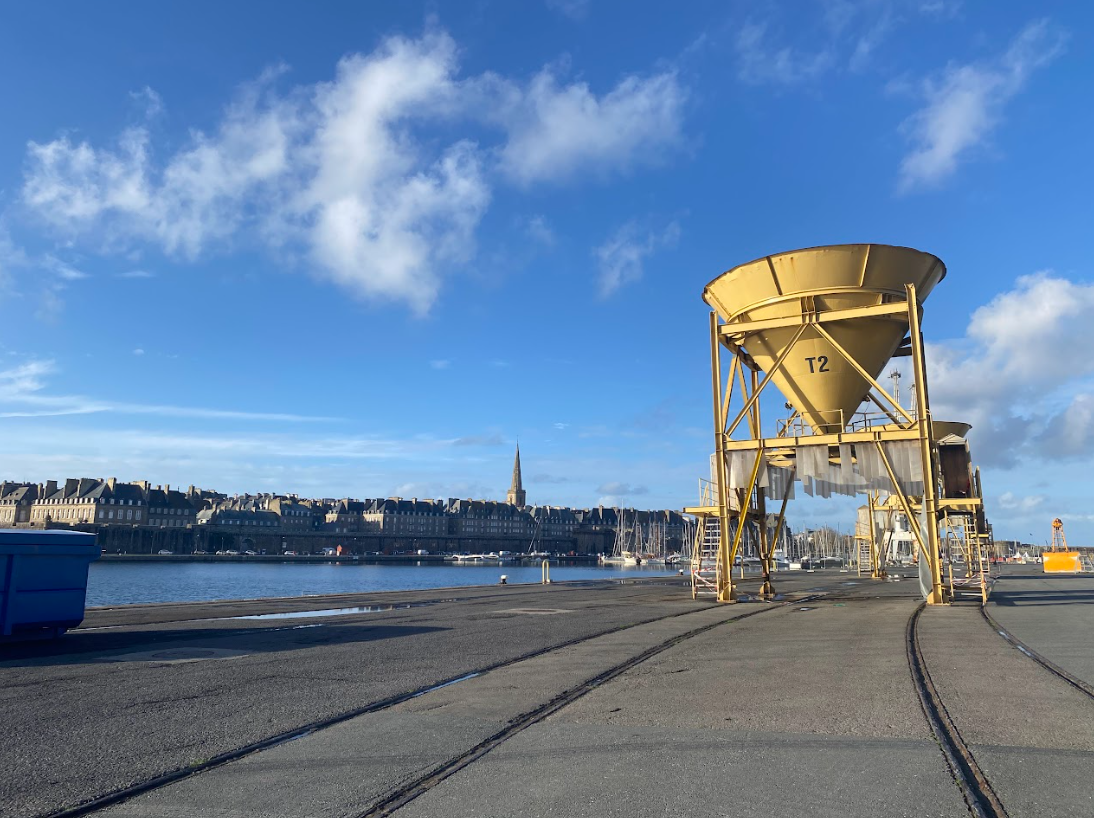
(1021, 375)
(621, 489)
(556, 131)
(440, 364)
(760, 62)
(1070, 433)
(150, 102)
(63, 270)
(24, 394)
(135, 274)
(871, 39)
(942, 9)
(1009, 502)
(359, 173)
(386, 215)
(50, 305)
(539, 230)
(10, 258)
(622, 256)
(574, 9)
(494, 439)
(965, 104)
(619, 493)
(125, 444)
(24, 379)
(138, 351)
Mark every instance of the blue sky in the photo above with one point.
(362, 249)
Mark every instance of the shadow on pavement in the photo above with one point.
(194, 644)
(1005, 598)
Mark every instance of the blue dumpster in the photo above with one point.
(43, 581)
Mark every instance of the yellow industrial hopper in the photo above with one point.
(816, 377)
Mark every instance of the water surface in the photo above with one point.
(126, 583)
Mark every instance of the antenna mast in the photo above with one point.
(894, 376)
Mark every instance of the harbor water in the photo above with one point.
(123, 583)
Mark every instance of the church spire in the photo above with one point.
(516, 496)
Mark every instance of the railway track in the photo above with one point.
(423, 783)
(975, 786)
(1052, 668)
(977, 791)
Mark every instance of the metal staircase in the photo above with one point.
(966, 564)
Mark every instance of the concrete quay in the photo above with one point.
(576, 699)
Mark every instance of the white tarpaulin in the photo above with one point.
(924, 566)
(780, 483)
(855, 470)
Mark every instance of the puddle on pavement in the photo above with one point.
(449, 683)
(358, 609)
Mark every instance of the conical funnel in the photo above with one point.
(815, 378)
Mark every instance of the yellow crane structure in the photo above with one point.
(821, 324)
(1059, 559)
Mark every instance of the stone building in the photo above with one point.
(168, 508)
(241, 519)
(487, 518)
(87, 500)
(16, 500)
(346, 517)
(413, 518)
(555, 522)
(296, 517)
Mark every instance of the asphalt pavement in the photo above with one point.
(590, 699)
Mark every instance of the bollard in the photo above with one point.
(504, 580)
(546, 572)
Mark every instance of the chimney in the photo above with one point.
(111, 482)
(51, 487)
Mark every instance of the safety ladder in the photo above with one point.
(704, 557)
(864, 558)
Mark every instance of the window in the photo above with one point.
(129, 514)
(111, 514)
